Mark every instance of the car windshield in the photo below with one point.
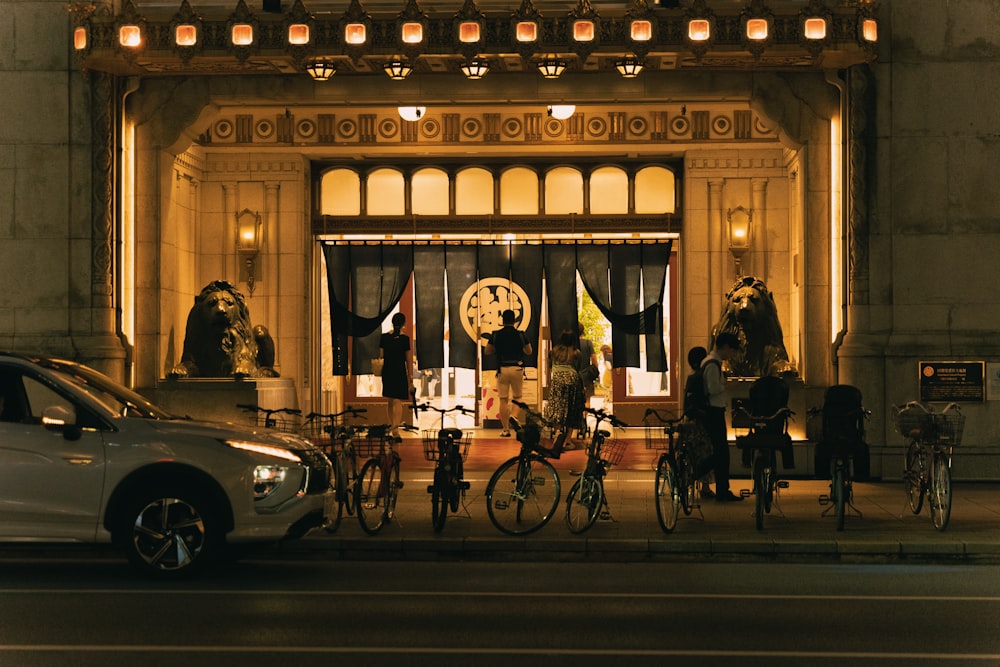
(120, 400)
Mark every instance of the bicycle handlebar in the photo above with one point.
(782, 412)
(354, 412)
(666, 420)
(601, 415)
(268, 411)
(443, 411)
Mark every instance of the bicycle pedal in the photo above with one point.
(605, 516)
(782, 484)
(745, 493)
(399, 485)
(465, 486)
(824, 500)
(430, 488)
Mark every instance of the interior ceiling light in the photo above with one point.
(629, 67)
(476, 68)
(397, 70)
(561, 111)
(552, 68)
(320, 69)
(412, 114)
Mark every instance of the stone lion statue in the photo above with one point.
(750, 313)
(219, 339)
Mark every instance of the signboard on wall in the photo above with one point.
(946, 381)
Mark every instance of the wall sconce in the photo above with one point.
(476, 68)
(551, 68)
(740, 220)
(248, 244)
(320, 69)
(412, 114)
(561, 111)
(130, 36)
(629, 67)
(397, 70)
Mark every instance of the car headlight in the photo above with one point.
(267, 450)
(267, 479)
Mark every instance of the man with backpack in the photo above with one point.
(695, 410)
(726, 345)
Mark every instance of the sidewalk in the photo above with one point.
(794, 529)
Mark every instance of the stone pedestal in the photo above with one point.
(215, 399)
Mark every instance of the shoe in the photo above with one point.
(504, 434)
(728, 497)
(705, 492)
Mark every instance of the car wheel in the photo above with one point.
(169, 533)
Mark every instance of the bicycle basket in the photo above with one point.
(431, 450)
(316, 430)
(373, 442)
(949, 426)
(612, 451)
(656, 432)
(285, 423)
(911, 421)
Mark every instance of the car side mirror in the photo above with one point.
(61, 418)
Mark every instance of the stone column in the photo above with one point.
(717, 249)
(759, 206)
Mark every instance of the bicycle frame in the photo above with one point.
(445, 448)
(587, 496)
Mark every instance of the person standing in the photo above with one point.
(695, 405)
(589, 374)
(726, 345)
(566, 389)
(397, 370)
(511, 347)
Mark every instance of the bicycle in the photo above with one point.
(586, 500)
(448, 447)
(523, 493)
(675, 468)
(329, 433)
(927, 472)
(378, 483)
(840, 447)
(278, 419)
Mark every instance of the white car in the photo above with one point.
(84, 459)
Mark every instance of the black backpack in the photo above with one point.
(695, 391)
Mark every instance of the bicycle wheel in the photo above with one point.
(392, 489)
(439, 503)
(350, 480)
(583, 503)
(522, 495)
(334, 509)
(913, 477)
(940, 491)
(370, 496)
(760, 481)
(667, 494)
(838, 486)
(685, 483)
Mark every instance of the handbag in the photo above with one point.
(377, 364)
(589, 374)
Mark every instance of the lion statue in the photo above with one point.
(750, 313)
(219, 339)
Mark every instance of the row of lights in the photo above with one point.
(700, 30)
(559, 111)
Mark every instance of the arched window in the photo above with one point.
(608, 191)
(563, 191)
(474, 192)
(519, 192)
(429, 192)
(340, 192)
(654, 190)
(386, 192)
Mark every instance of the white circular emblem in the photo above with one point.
(486, 299)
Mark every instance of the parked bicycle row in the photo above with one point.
(525, 491)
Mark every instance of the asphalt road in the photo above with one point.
(267, 611)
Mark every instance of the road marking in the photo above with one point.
(451, 650)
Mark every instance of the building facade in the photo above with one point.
(856, 161)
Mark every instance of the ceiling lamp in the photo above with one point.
(629, 67)
(397, 70)
(320, 69)
(561, 111)
(411, 114)
(552, 68)
(476, 68)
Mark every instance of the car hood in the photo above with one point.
(227, 431)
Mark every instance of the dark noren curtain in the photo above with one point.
(377, 275)
(428, 296)
(612, 275)
(460, 268)
(526, 271)
(560, 288)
